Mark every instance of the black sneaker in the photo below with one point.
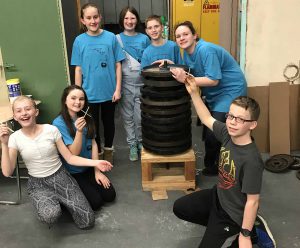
(265, 238)
(207, 171)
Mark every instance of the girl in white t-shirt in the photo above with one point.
(49, 184)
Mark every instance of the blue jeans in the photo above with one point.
(130, 107)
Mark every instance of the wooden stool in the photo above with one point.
(159, 179)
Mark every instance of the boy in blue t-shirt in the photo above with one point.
(160, 49)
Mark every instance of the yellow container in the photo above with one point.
(14, 88)
(204, 14)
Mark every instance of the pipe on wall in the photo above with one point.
(243, 35)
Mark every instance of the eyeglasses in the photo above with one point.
(237, 119)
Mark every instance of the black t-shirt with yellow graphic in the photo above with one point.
(240, 173)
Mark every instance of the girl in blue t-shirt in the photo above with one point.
(133, 44)
(77, 129)
(97, 58)
(219, 76)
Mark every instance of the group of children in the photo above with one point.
(107, 70)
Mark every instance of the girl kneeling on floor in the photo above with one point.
(78, 132)
(49, 184)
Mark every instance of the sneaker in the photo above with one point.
(264, 236)
(133, 153)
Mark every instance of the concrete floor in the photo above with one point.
(135, 220)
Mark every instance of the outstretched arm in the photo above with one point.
(200, 107)
(102, 165)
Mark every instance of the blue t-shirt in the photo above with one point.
(214, 62)
(97, 56)
(169, 50)
(86, 149)
(135, 45)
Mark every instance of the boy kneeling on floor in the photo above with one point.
(229, 209)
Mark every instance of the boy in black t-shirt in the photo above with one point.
(229, 210)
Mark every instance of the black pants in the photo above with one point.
(212, 145)
(108, 120)
(203, 208)
(96, 194)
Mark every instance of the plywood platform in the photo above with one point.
(168, 172)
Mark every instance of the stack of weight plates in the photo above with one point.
(166, 112)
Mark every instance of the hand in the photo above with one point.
(244, 242)
(103, 165)
(102, 179)
(179, 74)
(191, 86)
(80, 123)
(4, 134)
(116, 96)
(162, 61)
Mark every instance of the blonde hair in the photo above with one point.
(23, 98)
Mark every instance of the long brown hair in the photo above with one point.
(67, 118)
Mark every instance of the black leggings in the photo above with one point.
(96, 194)
(203, 207)
(108, 120)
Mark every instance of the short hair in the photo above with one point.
(249, 104)
(188, 24)
(123, 14)
(22, 98)
(153, 17)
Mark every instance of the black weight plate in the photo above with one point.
(173, 143)
(160, 103)
(161, 83)
(277, 164)
(287, 157)
(298, 174)
(163, 94)
(165, 136)
(166, 128)
(165, 89)
(156, 71)
(166, 119)
(165, 110)
(168, 150)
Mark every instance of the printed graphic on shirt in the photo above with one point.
(97, 56)
(227, 170)
(135, 49)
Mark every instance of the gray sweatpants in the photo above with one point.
(48, 193)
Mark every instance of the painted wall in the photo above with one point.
(273, 40)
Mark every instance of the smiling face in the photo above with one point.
(75, 101)
(239, 132)
(154, 29)
(91, 19)
(130, 22)
(185, 39)
(25, 111)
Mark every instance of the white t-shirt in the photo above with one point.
(40, 154)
